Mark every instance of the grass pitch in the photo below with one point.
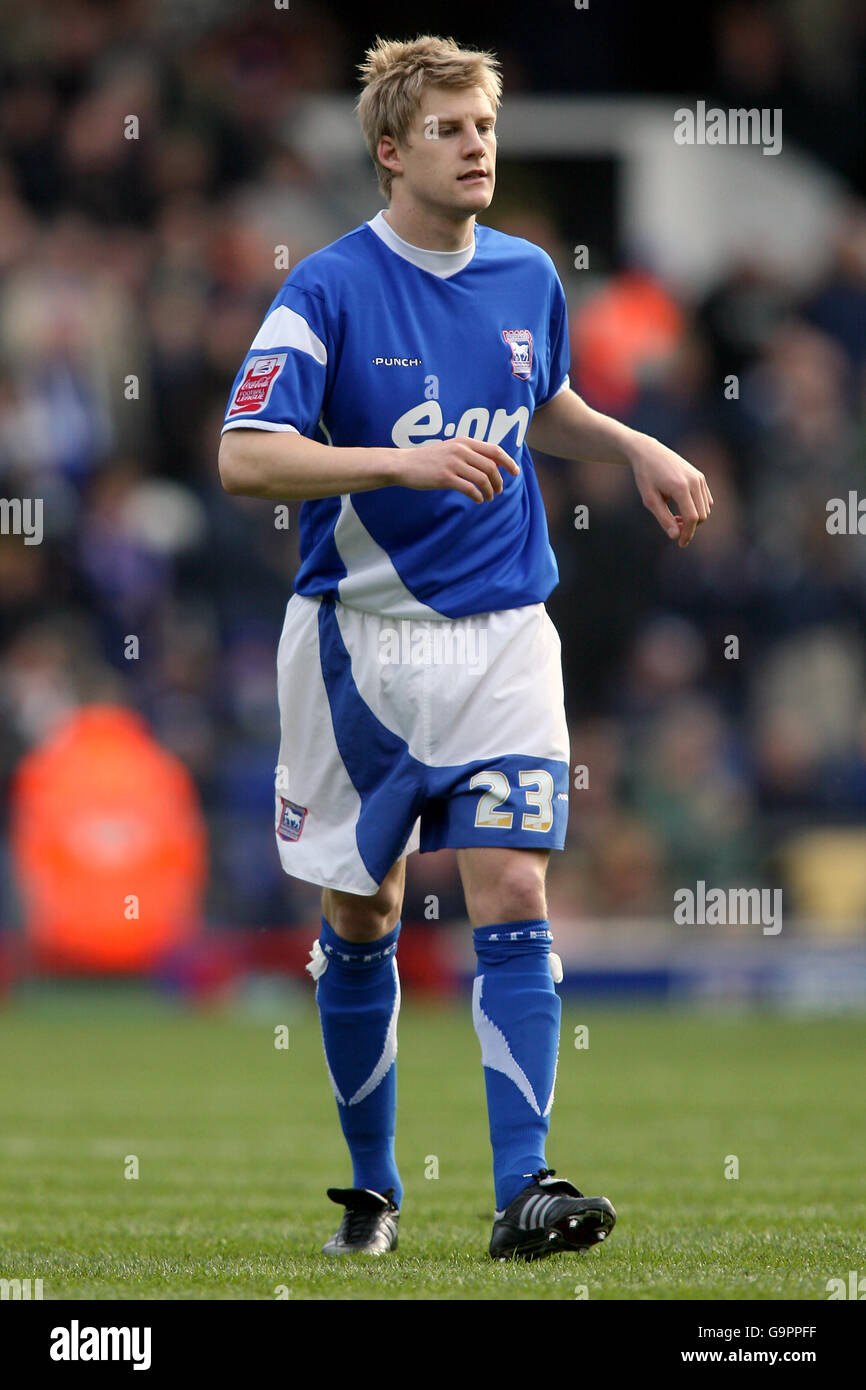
(236, 1140)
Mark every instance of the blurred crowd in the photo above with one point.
(716, 695)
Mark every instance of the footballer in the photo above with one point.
(394, 387)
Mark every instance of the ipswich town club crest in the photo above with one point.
(254, 391)
(291, 821)
(520, 342)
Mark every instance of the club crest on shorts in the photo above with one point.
(520, 342)
(291, 821)
(254, 391)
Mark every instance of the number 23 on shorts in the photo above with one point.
(538, 790)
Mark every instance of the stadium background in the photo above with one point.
(154, 258)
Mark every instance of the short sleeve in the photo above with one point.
(559, 355)
(283, 380)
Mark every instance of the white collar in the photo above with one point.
(441, 263)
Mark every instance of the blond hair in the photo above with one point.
(395, 74)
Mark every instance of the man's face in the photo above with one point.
(448, 161)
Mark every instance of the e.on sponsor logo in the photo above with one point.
(425, 422)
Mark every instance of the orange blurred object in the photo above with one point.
(109, 844)
(629, 328)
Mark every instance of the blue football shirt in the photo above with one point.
(372, 342)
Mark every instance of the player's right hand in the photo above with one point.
(471, 466)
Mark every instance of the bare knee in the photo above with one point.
(506, 887)
(359, 918)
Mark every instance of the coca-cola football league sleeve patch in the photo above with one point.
(283, 380)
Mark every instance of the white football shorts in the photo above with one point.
(400, 734)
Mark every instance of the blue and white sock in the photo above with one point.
(516, 1012)
(358, 996)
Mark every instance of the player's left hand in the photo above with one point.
(662, 476)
